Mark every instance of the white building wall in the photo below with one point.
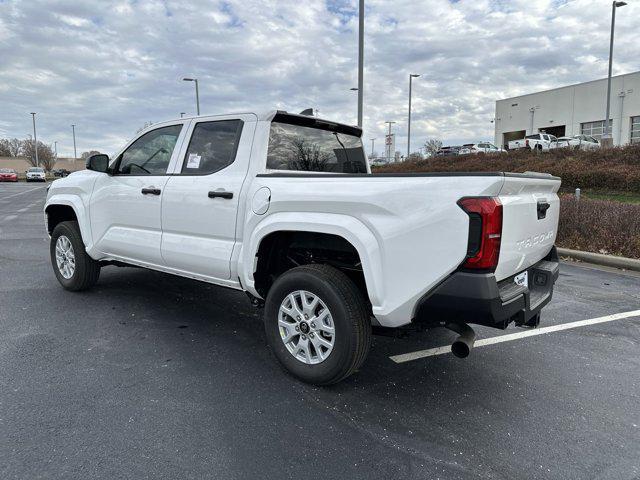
(571, 106)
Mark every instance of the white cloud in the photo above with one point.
(109, 67)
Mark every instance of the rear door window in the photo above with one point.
(213, 146)
(313, 149)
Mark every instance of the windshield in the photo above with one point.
(36, 169)
(6, 170)
(313, 149)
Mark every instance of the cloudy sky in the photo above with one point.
(109, 67)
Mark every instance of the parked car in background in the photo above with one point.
(448, 151)
(484, 147)
(60, 172)
(8, 175)
(537, 141)
(317, 243)
(36, 174)
(578, 142)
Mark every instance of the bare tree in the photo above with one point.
(307, 156)
(86, 155)
(46, 157)
(15, 145)
(5, 151)
(146, 125)
(432, 146)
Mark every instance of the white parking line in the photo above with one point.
(407, 357)
(10, 218)
(21, 193)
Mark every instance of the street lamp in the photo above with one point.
(55, 147)
(411, 77)
(197, 93)
(606, 134)
(35, 137)
(75, 153)
(388, 141)
(360, 59)
(182, 114)
(356, 89)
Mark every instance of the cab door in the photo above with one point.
(125, 205)
(202, 198)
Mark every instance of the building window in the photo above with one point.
(635, 129)
(595, 129)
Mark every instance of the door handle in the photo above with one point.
(150, 191)
(221, 194)
(542, 209)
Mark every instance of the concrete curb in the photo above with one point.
(600, 259)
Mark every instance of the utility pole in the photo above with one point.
(388, 141)
(373, 141)
(411, 77)
(35, 138)
(360, 60)
(75, 153)
(55, 146)
(195, 80)
(607, 140)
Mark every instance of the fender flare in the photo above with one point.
(79, 209)
(349, 228)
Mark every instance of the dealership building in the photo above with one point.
(573, 110)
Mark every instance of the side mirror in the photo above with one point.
(98, 163)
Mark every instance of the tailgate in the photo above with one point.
(530, 212)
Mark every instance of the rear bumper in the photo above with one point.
(480, 299)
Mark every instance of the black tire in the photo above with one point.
(539, 147)
(87, 270)
(350, 320)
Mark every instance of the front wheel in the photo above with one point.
(317, 324)
(74, 268)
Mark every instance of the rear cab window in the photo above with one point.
(311, 145)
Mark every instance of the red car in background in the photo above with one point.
(8, 175)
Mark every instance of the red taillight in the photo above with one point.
(485, 232)
(526, 142)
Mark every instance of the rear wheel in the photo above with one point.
(317, 324)
(74, 268)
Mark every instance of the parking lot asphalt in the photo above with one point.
(153, 376)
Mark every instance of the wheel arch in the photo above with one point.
(341, 227)
(68, 208)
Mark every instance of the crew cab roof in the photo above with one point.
(296, 119)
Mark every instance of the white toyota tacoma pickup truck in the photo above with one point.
(285, 208)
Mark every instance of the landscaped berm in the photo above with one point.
(607, 217)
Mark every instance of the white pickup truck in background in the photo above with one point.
(284, 207)
(537, 141)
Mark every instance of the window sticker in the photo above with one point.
(193, 161)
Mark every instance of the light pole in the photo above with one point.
(35, 137)
(75, 153)
(182, 114)
(360, 60)
(388, 141)
(533, 112)
(606, 134)
(411, 77)
(355, 89)
(373, 141)
(195, 80)
(55, 148)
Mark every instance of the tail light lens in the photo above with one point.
(526, 142)
(485, 232)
